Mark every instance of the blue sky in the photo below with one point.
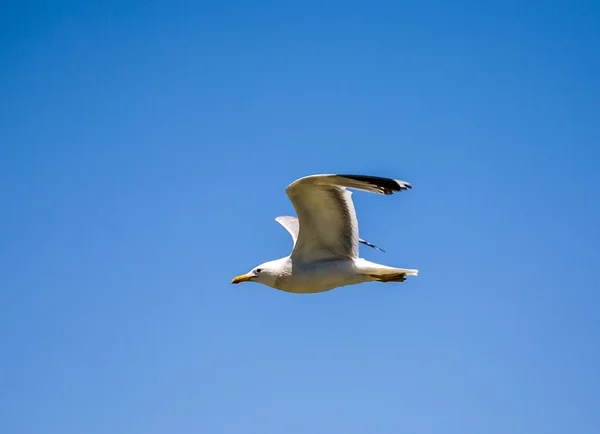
(145, 150)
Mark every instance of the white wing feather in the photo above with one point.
(292, 226)
(328, 228)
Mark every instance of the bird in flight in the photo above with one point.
(325, 236)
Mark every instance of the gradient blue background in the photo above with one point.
(145, 151)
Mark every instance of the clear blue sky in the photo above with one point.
(145, 151)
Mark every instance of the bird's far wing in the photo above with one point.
(327, 219)
(291, 225)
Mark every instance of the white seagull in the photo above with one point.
(325, 235)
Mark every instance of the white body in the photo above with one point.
(323, 276)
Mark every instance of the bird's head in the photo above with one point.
(266, 274)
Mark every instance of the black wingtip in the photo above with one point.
(386, 185)
(370, 245)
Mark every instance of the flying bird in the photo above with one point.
(325, 236)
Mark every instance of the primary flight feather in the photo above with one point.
(325, 235)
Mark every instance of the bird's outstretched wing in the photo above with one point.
(291, 225)
(328, 228)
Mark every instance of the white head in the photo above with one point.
(266, 273)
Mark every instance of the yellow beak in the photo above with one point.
(242, 278)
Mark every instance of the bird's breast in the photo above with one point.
(319, 277)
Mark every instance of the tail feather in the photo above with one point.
(394, 275)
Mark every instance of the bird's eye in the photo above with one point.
(258, 270)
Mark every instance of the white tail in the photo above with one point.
(383, 273)
(408, 271)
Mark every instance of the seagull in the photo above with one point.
(325, 236)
